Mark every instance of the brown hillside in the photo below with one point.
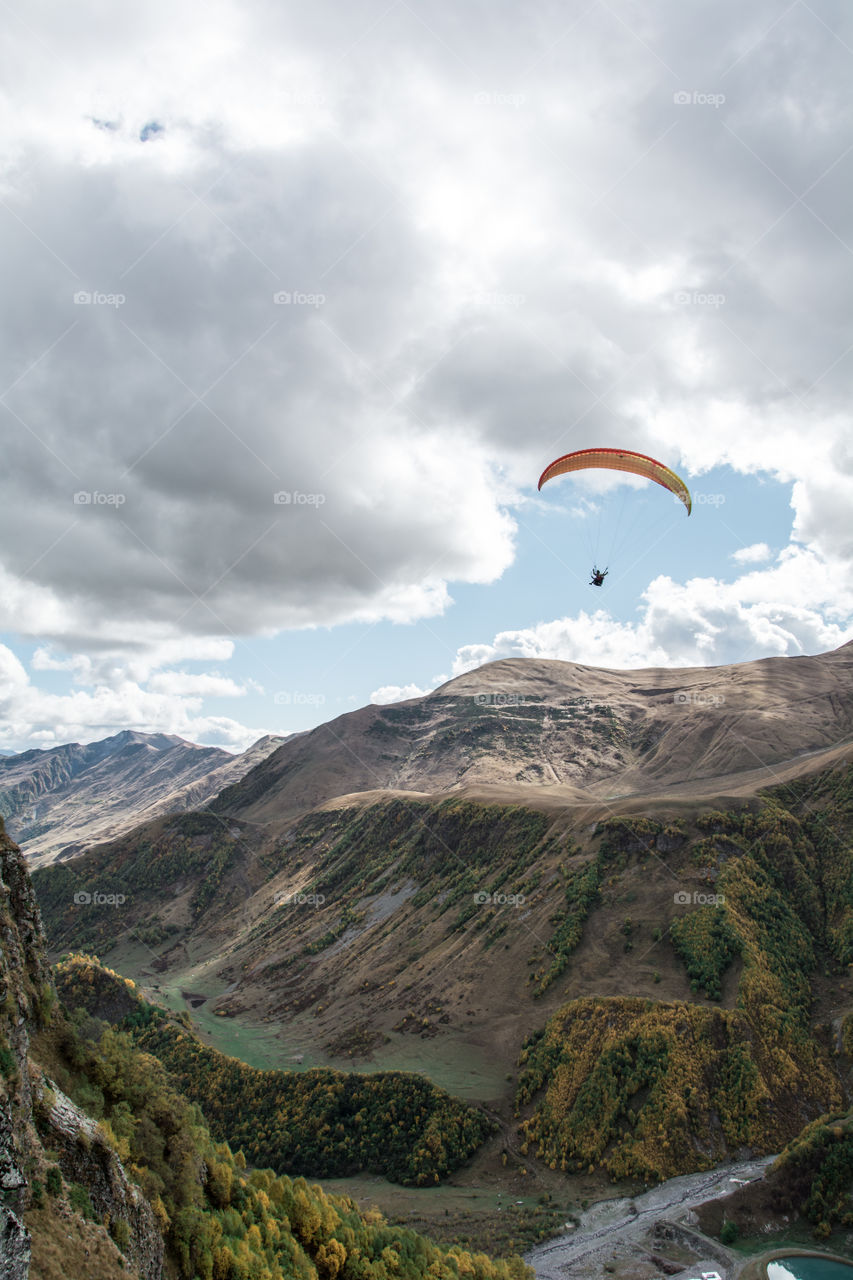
(558, 729)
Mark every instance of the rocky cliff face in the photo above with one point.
(86, 1158)
(84, 1155)
(24, 988)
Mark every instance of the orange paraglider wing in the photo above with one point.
(639, 464)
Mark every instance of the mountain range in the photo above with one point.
(60, 800)
(613, 909)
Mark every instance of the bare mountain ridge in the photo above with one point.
(538, 727)
(62, 799)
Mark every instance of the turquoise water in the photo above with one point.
(796, 1268)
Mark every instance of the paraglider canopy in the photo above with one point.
(638, 464)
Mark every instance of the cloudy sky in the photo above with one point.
(299, 301)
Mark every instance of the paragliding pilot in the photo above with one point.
(598, 576)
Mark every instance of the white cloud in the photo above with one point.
(753, 554)
(499, 267)
(823, 503)
(703, 622)
(133, 655)
(513, 263)
(172, 703)
(396, 693)
(596, 639)
(13, 676)
(184, 683)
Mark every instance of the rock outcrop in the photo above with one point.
(24, 989)
(86, 1157)
(84, 1154)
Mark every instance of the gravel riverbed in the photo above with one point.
(614, 1229)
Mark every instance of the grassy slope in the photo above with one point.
(654, 1089)
(752, 1071)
